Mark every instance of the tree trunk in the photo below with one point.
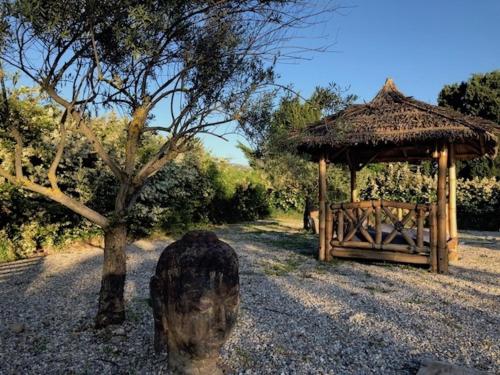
(111, 303)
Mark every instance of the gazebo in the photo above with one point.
(394, 128)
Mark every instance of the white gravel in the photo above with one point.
(297, 316)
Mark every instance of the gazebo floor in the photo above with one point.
(342, 252)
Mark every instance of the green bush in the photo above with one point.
(6, 248)
(249, 203)
(479, 196)
(287, 199)
(398, 182)
(31, 223)
(478, 204)
(175, 197)
(195, 188)
(198, 190)
(478, 200)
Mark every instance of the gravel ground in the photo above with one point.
(297, 316)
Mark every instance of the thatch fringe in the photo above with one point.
(396, 119)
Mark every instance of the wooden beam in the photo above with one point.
(420, 227)
(452, 205)
(354, 189)
(340, 225)
(378, 224)
(328, 232)
(333, 157)
(322, 208)
(442, 248)
(372, 158)
(397, 248)
(481, 145)
(433, 235)
(379, 255)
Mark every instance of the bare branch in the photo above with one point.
(134, 131)
(87, 131)
(57, 196)
(167, 152)
(18, 152)
(59, 153)
(156, 128)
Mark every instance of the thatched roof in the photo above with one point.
(395, 127)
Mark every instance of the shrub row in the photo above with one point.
(201, 189)
(196, 189)
(478, 200)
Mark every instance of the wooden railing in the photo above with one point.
(384, 230)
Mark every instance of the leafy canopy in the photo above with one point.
(268, 127)
(479, 96)
(199, 61)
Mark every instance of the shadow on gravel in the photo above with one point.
(351, 322)
(303, 339)
(21, 268)
(356, 320)
(298, 242)
(471, 275)
(490, 245)
(44, 304)
(56, 308)
(37, 291)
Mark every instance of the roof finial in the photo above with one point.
(389, 85)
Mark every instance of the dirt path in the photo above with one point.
(297, 316)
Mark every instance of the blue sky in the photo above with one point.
(422, 45)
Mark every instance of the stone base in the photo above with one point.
(184, 364)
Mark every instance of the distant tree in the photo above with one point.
(199, 61)
(267, 121)
(268, 125)
(479, 96)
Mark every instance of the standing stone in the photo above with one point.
(195, 295)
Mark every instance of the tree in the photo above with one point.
(33, 221)
(268, 127)
(479, 96)
(199, 61)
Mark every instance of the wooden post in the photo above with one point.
(322, 208)
(378, 224)
(447, 214)
(340, 226)
(452, 205)
(433, 238)
(354, 189)
(328, 233)
(420, 227)
(441, 210)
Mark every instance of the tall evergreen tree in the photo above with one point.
(479, 96)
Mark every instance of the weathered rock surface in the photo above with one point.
(195, 295)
